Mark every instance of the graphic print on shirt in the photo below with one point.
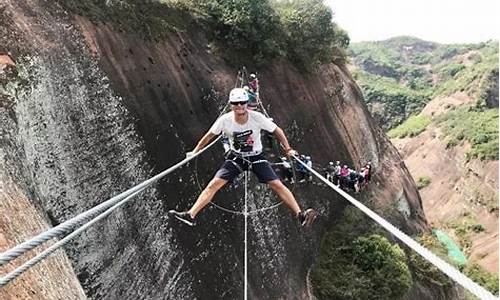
(243, 141)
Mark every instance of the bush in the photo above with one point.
(411, 127)
(309, 33)
(423, 181)
(370, 267)
(478, 126)
(423, 270)
(481, 276)
(248, 28)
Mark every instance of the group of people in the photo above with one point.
(347, 178)
(344, 177)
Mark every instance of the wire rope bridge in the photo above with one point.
(71, 228)
(79, 223)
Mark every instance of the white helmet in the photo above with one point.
(238, 95)
(331, 163)
(252, 75)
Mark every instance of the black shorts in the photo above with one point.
(258, 164)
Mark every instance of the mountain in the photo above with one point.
(439, 104)
(401, 75)
(96, 97)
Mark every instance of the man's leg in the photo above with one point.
(285, 195)
(207, 195)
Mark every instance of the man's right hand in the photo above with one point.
(290, 152)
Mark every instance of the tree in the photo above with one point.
(368, 268)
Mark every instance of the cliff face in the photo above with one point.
(92, 111)
(462, 193)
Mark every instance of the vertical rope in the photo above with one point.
(246, 236)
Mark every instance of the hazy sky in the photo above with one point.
(443, 21)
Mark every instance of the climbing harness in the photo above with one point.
(232, 211)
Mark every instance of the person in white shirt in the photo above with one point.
(243, 127)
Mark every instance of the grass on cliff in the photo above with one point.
(412, 127)
(476, 125)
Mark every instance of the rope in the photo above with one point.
(424, 252)
(246, 238)
(35, 260)
(66, 226)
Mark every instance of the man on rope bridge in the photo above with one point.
(243, 127)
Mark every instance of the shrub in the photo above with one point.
(248, 28)
(423, 181)
(370, 267)
(481, 276)
(310, 35)
(423, 270)
(476, 125)
(411, 127)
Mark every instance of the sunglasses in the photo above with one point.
(239, 103)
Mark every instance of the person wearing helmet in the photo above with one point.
(252, 102)
(330, 171)
(243, 127)
(254, 86)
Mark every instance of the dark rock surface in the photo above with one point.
(96, 112)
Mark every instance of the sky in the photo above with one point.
(442, 21)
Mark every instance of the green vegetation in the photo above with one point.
(390, 102)
(473, 79)
(310, 36)
(428, 274)
(481, 276)
(478, 126)
(400, 75)
(423, 181)
(151, 21)
(462, 228)
(356, 262)
(423, 270)
(242, 31)
(413, 126)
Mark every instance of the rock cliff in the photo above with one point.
(90, 111)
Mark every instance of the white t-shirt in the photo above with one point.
(244, 138)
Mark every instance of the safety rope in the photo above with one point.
(456, 275)
(66, 226)
(44, 254)
(246, 238)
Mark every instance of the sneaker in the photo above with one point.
(307, 218)
(183, 216)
